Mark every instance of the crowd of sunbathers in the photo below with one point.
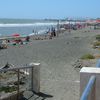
(4, 43)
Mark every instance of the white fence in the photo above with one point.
(33, 72)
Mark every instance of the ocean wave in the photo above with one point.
(22, 25)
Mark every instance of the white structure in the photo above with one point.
(85, 75)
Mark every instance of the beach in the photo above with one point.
(58, 76)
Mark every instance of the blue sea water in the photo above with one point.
(23, 30)
(6, 31)
(24, 27)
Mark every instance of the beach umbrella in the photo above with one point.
(16, 34)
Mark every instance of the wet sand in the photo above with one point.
(58, 77)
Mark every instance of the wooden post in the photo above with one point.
(58, 26)
(35, 77)
(69, 27)
(18, 75)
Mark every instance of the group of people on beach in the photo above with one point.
(4, 43)
(21, 41)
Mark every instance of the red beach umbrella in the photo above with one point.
(16, 34)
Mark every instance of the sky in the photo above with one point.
(50, 9)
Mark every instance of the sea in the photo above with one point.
(25, 26)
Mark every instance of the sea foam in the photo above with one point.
(29, 24)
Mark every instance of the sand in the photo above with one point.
(58, 77)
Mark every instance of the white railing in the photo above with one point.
(34, 72)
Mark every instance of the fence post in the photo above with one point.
(35, 77)
(18, 75)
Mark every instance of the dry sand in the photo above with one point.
(58, 77)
